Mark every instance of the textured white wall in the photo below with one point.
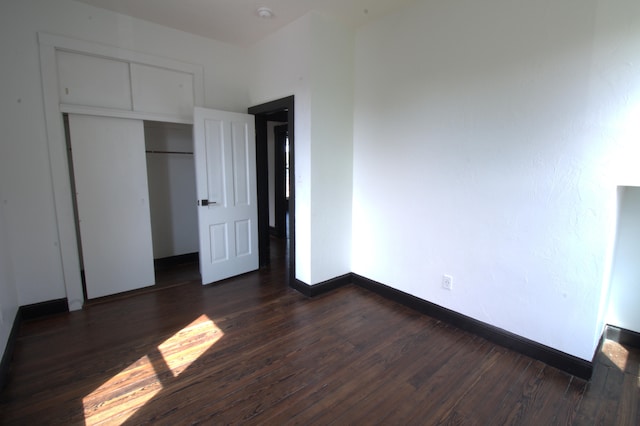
(331, 148)
(488, 145)
(624, 300)
(312, 58)
(24, 163)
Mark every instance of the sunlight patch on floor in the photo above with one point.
(125, 393)
(121, 396)
(616, 353)
(188, 344)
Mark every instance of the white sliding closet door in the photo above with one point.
(110, 173)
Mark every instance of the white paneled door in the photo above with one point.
(225, 157)
(109, 167)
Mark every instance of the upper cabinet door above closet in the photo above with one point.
(93, 81)
(114, 85)
(162, 91)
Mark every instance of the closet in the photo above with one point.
(128, 161)
(133, 114)
(172, 188)
(134, 181)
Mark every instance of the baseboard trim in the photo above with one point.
(553, 357)
(5, 364)
(622, 336)
(171, 261)
(323, 287)
(43, 309)
(26, 313)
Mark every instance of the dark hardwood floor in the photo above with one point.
(251, 350)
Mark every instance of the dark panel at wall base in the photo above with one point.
(563, 361)
(622, 336)
(323, 287)
(8, 351)
(43, 309)
(25, 313)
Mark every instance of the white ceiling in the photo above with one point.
(237, 21)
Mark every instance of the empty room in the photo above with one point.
(314, 212)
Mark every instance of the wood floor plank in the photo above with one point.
(628, 412)
(541, 399)
(593, 395)
(253, 351)
(477, 407)
(444, 379)
(236, 373)
(328, 380)
(379, 402)
(363, 377)
(568, 408)
(466, 377)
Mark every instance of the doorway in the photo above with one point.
(281, 111)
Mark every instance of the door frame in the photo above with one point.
(262, 114)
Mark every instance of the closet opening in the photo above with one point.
(142, 169)
(172, 191)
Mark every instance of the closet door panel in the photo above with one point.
(93, 81)
(162, 91)
(113, 204)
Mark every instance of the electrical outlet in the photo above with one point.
(447, 282)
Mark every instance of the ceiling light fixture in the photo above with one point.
(265, 13)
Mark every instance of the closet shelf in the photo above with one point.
(168, 152)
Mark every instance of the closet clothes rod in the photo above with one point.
(168, 152)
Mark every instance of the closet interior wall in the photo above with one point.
(172, 188)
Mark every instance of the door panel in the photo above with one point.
(162, 91)
(243, 238)
(241, 164)
(93, 81)
(225, 158)
(219, 243)
(110, 174)
(214, 165)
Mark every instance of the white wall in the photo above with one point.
(624, 298)
(8, 294)
(172, 188)
(24, 163)
(331, 149)
(281, 64)
(312, 58)
(489, 140)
